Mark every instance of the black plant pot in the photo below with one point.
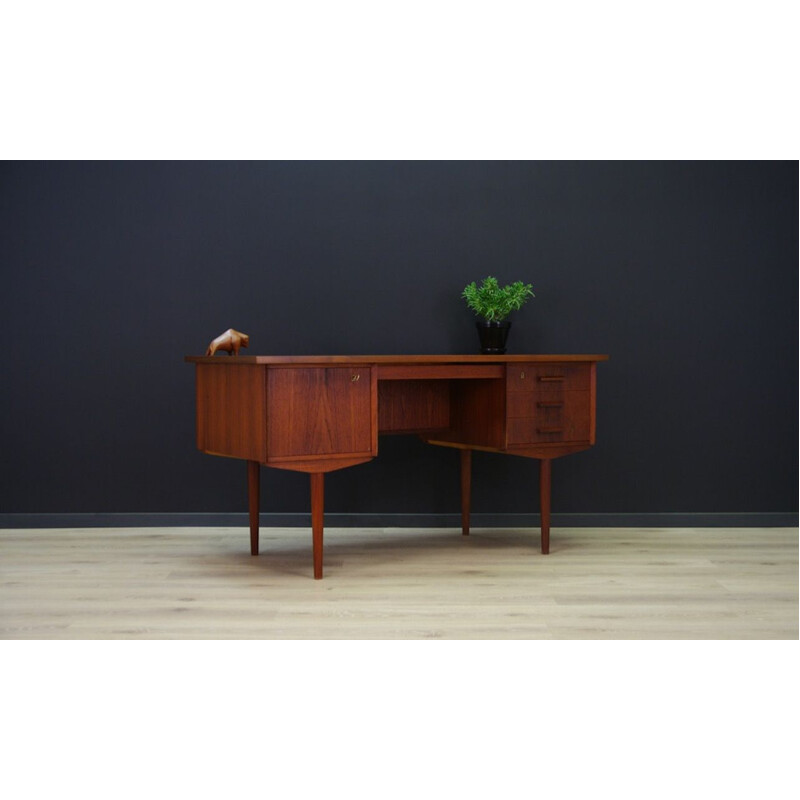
(493, 336)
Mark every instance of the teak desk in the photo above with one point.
(317, 414)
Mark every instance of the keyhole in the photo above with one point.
(522, 375)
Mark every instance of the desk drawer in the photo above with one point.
(548, 379)
(532, 420)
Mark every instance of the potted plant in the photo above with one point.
(493, 304)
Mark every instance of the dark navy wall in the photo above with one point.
(685, 273)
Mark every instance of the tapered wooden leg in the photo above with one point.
(317, 505)
(544, 502)
(253, 491)
(466, 482)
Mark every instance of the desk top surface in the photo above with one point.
(392, 359)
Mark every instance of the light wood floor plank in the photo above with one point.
(597, 583)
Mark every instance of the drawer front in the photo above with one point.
(533, 420)
(319, 411)
(532, 404)
(549, 379)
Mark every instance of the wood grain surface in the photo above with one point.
(397, 360)
(597, 583)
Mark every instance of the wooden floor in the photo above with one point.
(597, 583)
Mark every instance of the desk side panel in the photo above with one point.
(231, 410)
(477, 414)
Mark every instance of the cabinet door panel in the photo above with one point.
(319, 411)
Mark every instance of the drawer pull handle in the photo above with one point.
(355, 377)
(549, 405)
(549, 430)
(551, 378)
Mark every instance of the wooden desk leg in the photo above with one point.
(466, 480)
(253, 490)
(544, 502)
(317, 504)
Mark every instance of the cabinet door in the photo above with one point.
(319, 411)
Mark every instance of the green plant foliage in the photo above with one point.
(494, 303)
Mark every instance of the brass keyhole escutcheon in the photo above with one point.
(522, 375)
(355, 377)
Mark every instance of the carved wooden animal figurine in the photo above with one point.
(229, 341)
